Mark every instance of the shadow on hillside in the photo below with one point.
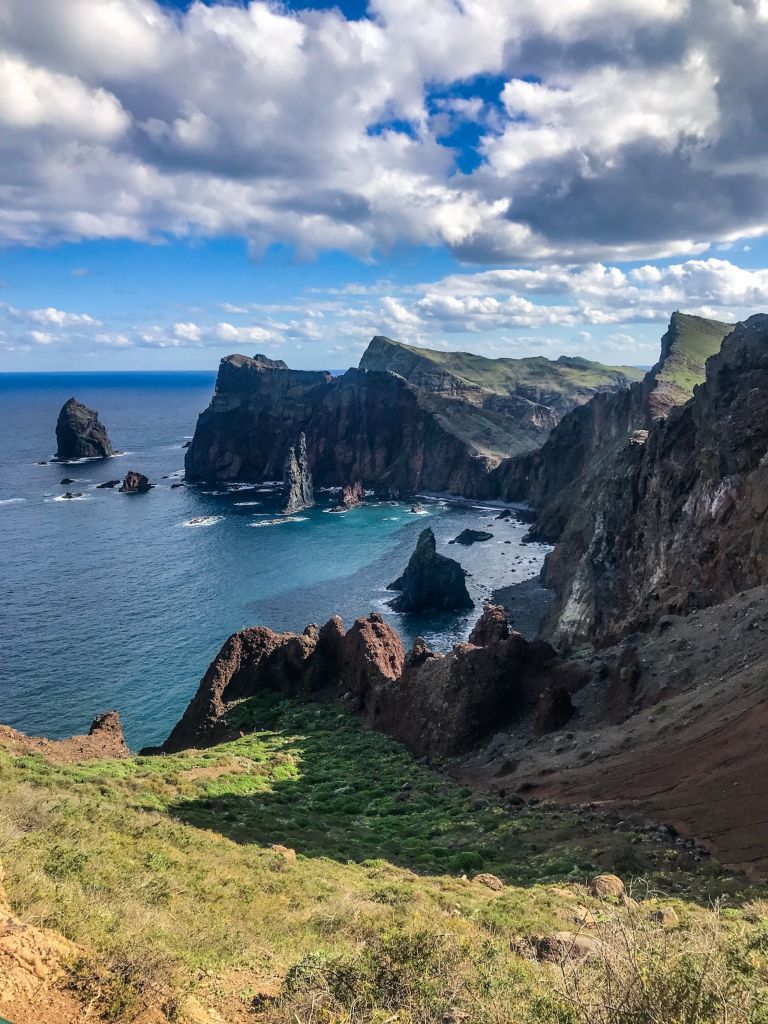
(330, 789)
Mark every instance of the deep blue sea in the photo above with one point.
(116, 601)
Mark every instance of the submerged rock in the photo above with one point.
(135, 483)
(107, 484)
(71, 495)
(66, 480)
(80, 434)
(431, 582)
(297, 479)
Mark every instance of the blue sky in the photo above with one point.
(183, 180)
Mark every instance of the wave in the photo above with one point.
(11, 501)
(203, 521)
(283, 519)
(419, 512)
(75, 497)
(243, 504)
(391, 519)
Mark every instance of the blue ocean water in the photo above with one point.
(116, 601)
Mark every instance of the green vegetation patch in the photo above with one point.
(163, 869)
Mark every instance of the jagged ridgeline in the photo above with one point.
(407, 420)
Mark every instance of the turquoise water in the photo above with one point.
(117, 601)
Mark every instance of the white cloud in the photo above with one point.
(228, 332)
(187, 331)
(625, 128)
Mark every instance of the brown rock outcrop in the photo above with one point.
(491, 627)
(437, 705)
(351, 495)
(104, 740)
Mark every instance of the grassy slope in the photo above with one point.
(567, 375)
(162, 867)
(691, 341)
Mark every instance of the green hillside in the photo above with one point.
(163, 870)
(568, 375)
(685, 348)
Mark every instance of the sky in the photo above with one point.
(182, 180)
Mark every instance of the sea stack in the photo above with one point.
(297, 479)
(80, 434)
(135, 483)
(431, 582)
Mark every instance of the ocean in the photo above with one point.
(121, 601)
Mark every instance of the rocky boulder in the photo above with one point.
(468, 537)
(351, 495)
(491, 627)
(135, 483)
(554, 710)
(298, 493)
(431, 582)
(80, 434)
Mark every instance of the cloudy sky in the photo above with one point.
(180, 180)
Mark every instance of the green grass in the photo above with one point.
(564, 376)
(162, 869)
(693, 340)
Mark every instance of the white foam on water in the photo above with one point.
(75, 497)
(243, 504)
(203, 521)
(419, 512)
(279, 522)
(11, 501)
(336, 511)
(391, 519)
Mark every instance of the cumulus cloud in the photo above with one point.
(621, 128)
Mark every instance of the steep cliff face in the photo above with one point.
(366, 426)
(583, 443)
(442, 431)
(676, 517)
(80, 434)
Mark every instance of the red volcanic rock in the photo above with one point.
(135, 483)
(437, 705)
(372, 655)
(105, 739)
(491, 627)
(351, 495)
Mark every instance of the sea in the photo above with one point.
(121, 601)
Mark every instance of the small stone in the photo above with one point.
(489, 881)
(567, 946)
(607, 886)
(285, 852)
(667, 917)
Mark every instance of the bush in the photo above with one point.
(645, 974)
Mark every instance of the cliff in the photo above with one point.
(554, 477)
(673, 517)
(376, 426)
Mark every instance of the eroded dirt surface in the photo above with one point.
(688, 745)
